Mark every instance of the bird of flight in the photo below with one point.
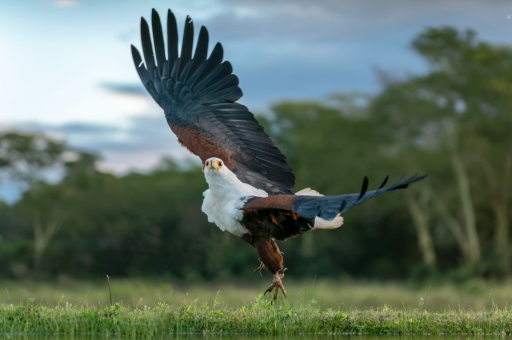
(250, 183)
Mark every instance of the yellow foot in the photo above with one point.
(260, 269)
(276, 285)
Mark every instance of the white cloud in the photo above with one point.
(66, 3)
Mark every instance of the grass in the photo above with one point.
(258, 317)
(473, 295)
(151, 308)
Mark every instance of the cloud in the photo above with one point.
(84, 128)
(328, 20)
(125, 88)
(66, 3)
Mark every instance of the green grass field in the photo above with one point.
(259, 317)
(150, 308)
(473, 295)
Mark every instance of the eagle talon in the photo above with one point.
(261, 268)
(276, 285)
(257, 270)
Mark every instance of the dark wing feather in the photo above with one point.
(199, 97)
(172, 40)
(158, 41)
(187, 44)
(326, 207)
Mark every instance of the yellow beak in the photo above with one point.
(215, 164)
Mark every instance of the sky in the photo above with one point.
(67, 69)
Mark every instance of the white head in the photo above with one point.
(224, 182)
(216, 170)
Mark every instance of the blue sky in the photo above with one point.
(67, 69)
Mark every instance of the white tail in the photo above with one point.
(320, 223)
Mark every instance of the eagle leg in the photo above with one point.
(272, 259)
(262, 267)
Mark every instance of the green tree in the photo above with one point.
(460, 112)
(27, 158)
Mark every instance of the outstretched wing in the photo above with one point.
(325, 207)
(198, 95)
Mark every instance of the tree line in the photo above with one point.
(453, 122)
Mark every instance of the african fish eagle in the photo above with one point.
(250, 183)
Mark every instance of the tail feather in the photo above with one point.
(329, 207)
(320, 223)
(308, 192)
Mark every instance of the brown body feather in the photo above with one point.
(284, 202)
(266, 226)
(201, 145)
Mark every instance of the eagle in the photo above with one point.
(250, 184)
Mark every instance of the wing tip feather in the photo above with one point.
(364, 188)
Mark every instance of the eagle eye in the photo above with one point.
(207, 163)
(220, 163)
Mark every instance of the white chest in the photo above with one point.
(224, 200)
(225, 211)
